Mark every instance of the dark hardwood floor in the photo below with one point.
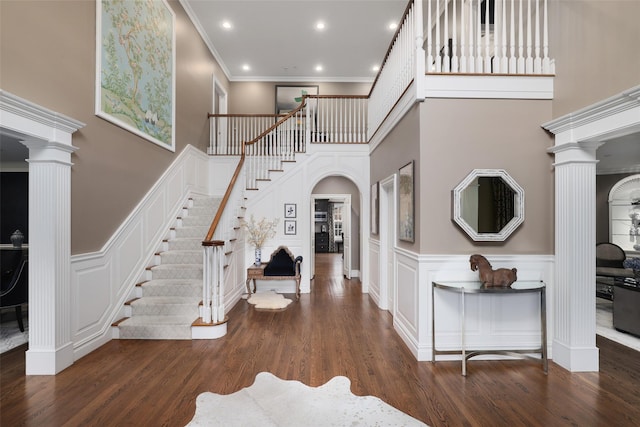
(335, 330)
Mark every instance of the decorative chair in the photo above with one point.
(282, 266)
(15, 284)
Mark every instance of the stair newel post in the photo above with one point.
(220, 306)
(206, 283)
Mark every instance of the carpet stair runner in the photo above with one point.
(168, 301)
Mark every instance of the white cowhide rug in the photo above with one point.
(269, 300)
(271, 401)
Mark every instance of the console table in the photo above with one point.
(464, 288)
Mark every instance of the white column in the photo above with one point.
(50, 346)
(574, 345)
(47, 134)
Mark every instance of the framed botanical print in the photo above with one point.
(290, 210)
(135, 68)
(375, 208)
(290, 227)
(406, 201)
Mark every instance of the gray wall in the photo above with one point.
(458, 136)
(595, 44)
(260, 97)
(399, 147)
(47, 56)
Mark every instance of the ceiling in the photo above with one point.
(279, 41)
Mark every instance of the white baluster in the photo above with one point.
(520, 62)
(512, 38)
(529, 59)
(454, 40)
(430, 43)
(463, 41)
(487, 57)
(546, 65)
(447, 65)
(537, 62)
(438, 56)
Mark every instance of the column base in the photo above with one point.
(48, 362)
(576, 359)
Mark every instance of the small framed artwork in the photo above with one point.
(290, 227)
(406, 203)
(290, 210)
(375, 206)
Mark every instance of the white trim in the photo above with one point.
(488, 86)
(577, 137)
(48, 136)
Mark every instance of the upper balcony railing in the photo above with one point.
(488, 37)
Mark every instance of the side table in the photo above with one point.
(254, 272)
(464, 288)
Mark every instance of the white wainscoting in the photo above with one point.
(374, 273)
(102, 281)
(492, 321)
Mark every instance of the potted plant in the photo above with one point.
(258, 232)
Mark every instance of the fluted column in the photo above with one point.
(47, 134)
(574, 345)
(50, 345)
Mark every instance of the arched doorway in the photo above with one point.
(336, 222)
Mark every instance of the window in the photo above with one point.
(337, 221)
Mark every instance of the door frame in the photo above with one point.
(346, 199)
(387, 230)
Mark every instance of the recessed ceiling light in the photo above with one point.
(318, 67)
(226, 25)
(375, 68)
(320, 25)
(245, 67)
(393, 26)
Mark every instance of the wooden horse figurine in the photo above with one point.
(502, 277)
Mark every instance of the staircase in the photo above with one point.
(167, 302)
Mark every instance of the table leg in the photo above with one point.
(247, 285)
(433, 324)
(464, 352)
(543, 321)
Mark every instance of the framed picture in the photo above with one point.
(290, 227)
(406, 200)
(290, 97)
(290, 210)
(375, 208)
(135, 68)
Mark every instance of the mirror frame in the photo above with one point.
(518, 215)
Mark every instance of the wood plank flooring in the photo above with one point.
(335, 330)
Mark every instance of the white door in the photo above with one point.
(218, 143)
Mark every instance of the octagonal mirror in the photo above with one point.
(488, 205)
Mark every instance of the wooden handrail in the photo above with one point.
(208, 240)
(209, 115)
(338, 96)
(278, 123)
